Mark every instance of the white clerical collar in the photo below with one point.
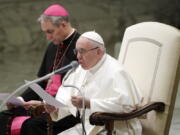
(98, 65)
(70, 34)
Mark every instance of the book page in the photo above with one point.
(12, 100)
(47, 97)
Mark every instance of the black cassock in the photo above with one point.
(38, 126)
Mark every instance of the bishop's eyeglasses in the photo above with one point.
(83, 51)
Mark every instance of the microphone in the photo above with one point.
(72, 65)
(82, 117)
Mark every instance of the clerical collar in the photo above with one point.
(69, 37)
(70, 34)
(98, 65)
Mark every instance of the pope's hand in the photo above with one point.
(77, 101)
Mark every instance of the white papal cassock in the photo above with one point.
(109, 88)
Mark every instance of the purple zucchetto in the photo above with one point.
(56, 10)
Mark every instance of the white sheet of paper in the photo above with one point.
(46, 97)
(12, 100)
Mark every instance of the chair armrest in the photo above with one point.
(101, 118)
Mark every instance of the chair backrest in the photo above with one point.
(150, 52)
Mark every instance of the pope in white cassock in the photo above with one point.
(103, 84)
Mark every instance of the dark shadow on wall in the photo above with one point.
(168, 11)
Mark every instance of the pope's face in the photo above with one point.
(87, 54)
(53, 33)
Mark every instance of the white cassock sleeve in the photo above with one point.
(125, 96)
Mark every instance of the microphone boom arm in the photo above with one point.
(73, 65)
(25, 86)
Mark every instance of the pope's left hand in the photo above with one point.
(77, 101)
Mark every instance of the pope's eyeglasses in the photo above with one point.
(83, 51)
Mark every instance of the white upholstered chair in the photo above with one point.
(150, 52)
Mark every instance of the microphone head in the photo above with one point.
(74, 64)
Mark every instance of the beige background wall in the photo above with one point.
(23, 44)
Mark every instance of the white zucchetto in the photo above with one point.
(92, 35)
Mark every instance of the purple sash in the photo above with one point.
(17, 123)
(53, 85)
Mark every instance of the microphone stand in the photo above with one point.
(83, 107)
(72, 65)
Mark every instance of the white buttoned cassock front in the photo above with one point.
(109, 88)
